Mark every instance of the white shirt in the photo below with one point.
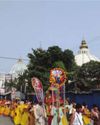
(78, 119)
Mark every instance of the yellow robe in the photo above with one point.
(24, 120)
(12, 113)
(64, 120)
(7, 111)
(2, 110)
(17, 117)
(86, 118)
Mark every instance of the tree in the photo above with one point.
(38, 66)
(55, 54)
(59, 64)
(68, 59)
(42, 61)
(89, 74)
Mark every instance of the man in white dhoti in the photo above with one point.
(40, 114)
(76, 118)
(35, 107)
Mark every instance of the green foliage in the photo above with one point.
(89, 74)
(41, 62)
(59, 64)
(68, 59)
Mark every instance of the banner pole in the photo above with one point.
(43, 103)
(64, 94)
(52, 97)
(58, 106)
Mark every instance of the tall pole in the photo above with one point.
(52, 97)
(64, 95)
(25, 89)
(58, 105)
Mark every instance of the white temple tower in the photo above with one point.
(84, 55)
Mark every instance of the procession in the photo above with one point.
(28, 113)
(51, 109)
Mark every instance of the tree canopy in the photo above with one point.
(89, 74)
(42, 61)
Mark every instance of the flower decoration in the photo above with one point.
(57, 77)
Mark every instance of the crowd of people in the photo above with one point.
(37, 113)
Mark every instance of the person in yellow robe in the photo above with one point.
(63, 119)
(2, 110)
(25, 117)
(7, 110)
(86, 115)
(17, 117)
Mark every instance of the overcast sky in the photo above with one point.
(29, 24)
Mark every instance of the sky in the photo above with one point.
(26, 24)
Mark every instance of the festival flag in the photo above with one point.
(38, 88)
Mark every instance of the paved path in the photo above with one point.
(5, 121)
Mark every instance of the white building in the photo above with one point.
(2, 81)
(84, 55)
(18, 68)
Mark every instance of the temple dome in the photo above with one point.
(84, 55)
(18, 68)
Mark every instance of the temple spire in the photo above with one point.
(83, 44)
(84, 54)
